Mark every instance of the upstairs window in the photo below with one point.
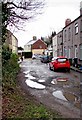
(81, 26)
(65, 35)
(76, 28)
(69, 33)
(40, 46)
(76, 51)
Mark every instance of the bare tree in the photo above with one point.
(20, 11)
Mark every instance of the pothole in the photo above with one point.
(26, 72)
(54, 81)
(67, 96)
(41, 80)
(62, 79)
(57, 80)
(33, 84)
(30, 76)
(59, 94)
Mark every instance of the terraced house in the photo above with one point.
(69, 40)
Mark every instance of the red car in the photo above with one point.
(59, 63)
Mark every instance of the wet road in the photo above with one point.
(59, 91)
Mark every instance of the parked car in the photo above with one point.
(37, 56)
(34, 56)
(60, 62)
(45, 59)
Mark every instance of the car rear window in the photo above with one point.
(62, 59)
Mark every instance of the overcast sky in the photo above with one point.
(53, 19)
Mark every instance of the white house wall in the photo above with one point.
(54, 43)
(14, 45)
(27, 48)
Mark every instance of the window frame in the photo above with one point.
(76, 28)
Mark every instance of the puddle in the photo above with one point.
(26, 72)
(54, 81)
(45, 72)
(59, 94)
(30, 76)
(33, 84)
(66, 96)
(41, 80)
(77, 104)
(62, 79)
(23, 65)
(70, 97)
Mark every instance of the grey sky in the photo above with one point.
(53, 19)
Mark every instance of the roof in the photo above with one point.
(31, 42)
(73, 21)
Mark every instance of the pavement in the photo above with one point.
(76, 69)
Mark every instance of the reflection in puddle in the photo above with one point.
(62, 79)
(57, 80)
(41, 80)
(26, 72)
(33, 84)
(54, 81)
(23, 66)
(59, 94)
(30, 76)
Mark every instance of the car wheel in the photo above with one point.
(68, 70)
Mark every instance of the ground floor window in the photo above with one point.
(69, 53)
(65, 52)
(81, 52)
(76, 51)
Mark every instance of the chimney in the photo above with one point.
(67, 21)
(34, 38)
(81, 8)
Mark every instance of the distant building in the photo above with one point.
(72, 39)
(60, 43)
(54, 44)
(12, 42)
(69, 40)
(35, 46)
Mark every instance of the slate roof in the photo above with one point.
(31, 42)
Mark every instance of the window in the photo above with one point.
(65, 35)
(62, 59)
(69, 33)
(81, 26)
(76, 28)
(65, 52)
(81, 52)
(40, 46)
(68, 52)
(76, 51)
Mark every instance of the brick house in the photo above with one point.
(69, 40)
(60, 43)
(72, 39)
(54, 44)
(35, 46)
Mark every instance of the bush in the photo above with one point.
(6, 53)
(10, 70)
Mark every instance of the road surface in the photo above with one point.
(59, 91)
